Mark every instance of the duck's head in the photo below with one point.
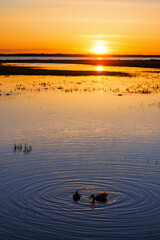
(92, 196)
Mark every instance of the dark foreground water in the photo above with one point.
(90, 141)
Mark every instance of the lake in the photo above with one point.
(91, 134)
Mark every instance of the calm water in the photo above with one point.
(84, 137)
(75, 58)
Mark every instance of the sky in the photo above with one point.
(80, 26)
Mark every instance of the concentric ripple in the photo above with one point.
(44, 203)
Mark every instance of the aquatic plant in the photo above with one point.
(19, 147)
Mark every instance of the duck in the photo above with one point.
(102, 197)
(76, 196)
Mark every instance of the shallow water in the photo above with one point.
(90, 141)
(84, 67)
(77, 58)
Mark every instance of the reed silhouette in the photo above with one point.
(19, 148)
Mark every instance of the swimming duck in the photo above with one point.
(76, 196)
(102, 197)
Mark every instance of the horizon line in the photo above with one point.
(77, 54)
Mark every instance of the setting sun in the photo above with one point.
(100, 48)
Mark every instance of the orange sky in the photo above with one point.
(77, 26)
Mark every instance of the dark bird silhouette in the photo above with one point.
(102, 197)
(76, 196)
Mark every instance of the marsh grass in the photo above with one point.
(20, 148)
(140, 83)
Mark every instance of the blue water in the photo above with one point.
(75, 58)
(85, 141)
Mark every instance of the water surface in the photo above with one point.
(88, 134)
(14, 57)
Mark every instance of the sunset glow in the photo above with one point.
(100, 48)
(74, 26)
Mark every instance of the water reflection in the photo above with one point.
(86, 141)
(99, 68)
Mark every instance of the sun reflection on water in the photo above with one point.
(99, 68)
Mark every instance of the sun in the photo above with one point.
(100, 48)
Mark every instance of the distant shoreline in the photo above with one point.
(116, 63)
(20, 70)
(29, 70)
(77, 55)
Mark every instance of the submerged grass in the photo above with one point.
(141, 82)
